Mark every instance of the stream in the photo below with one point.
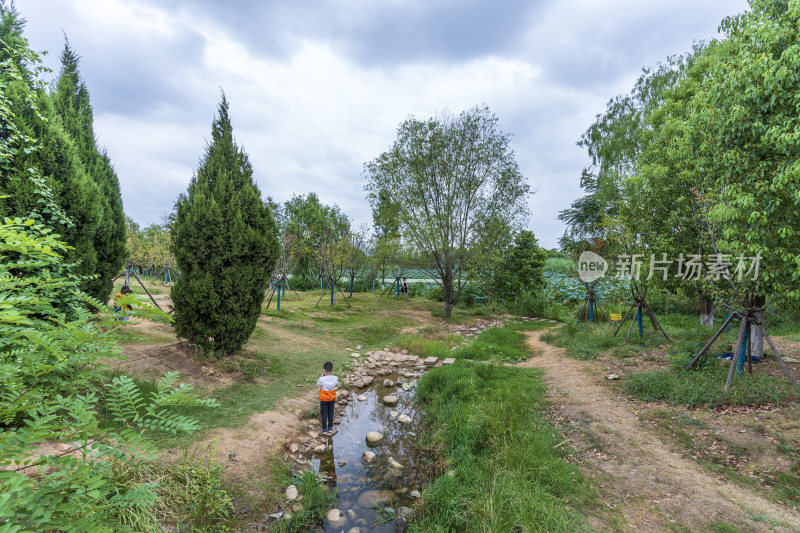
(364, 486)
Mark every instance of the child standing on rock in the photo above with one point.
(327, 384)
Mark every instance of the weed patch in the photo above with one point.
(497, 344)
(705, 387)
(504, 472)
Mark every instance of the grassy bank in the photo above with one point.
(503, 470)
(706, 387)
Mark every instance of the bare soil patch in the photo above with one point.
(653, 486)
(149, 361)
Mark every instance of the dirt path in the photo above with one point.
(652, 485)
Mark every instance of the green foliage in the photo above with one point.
(560, 265)
(71, 103)
(462, 193)
(50, 390)
(225, 245)
(317, 500)
(507, 474)
(743, 150)
(52, 147)
(495, 344)
(519, 270)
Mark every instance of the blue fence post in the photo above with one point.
(398, 287)
(639, 319)
(591, 311)
(331, 293)
(728, 327)
(279, 297)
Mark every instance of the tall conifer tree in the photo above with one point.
(225, 244)
(56, 157)
(72, 102)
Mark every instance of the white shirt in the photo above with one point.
(329, 382)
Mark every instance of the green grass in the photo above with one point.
(423, 347)
(190, 494)
(504, 474)
(317, 500)
(495, 344)
(705, 387)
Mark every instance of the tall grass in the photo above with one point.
(497, 344)
(706, 387)
(317, 500)
(504, 472)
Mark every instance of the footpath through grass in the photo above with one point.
(504, 473)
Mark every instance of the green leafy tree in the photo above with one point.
(519, 270)
(314, 225)
(72, 103)
(742, 150)
(458, 192)
(225, 244)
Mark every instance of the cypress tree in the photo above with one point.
(225, 244)
(55, 157)
(71, 101)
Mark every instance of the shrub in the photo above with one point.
(225, 247)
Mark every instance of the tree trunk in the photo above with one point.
(756, 337)
(706, 308)
(449, 297)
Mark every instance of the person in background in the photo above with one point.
(327, 384)
(118, 308)
(405, 287)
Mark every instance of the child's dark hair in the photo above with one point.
(328, 366)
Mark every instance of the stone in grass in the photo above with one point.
(449, 361)
(291, 493)
(368, 457)
(404, 419)
(390, 400)
(335, 517)
(275, 516)
(415, 494)
(430, 361)
(612, 376)
(374, 438)
(354, 354)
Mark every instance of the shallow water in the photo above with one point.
(360, 485)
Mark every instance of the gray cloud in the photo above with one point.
(317, 88)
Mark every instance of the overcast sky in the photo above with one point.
(317, 88)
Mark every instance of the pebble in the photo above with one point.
(388, 383)
(390, 400)
(291, 493)
(373, 437)
(404, 419)
(334, 516)
(394, 464)
(362, 398)
(368, 457)
(393, 414)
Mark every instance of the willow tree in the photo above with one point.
(225, 244)
(457, 192)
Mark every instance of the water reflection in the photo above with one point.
(362, 486)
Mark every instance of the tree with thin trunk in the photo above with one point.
(456, 189)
